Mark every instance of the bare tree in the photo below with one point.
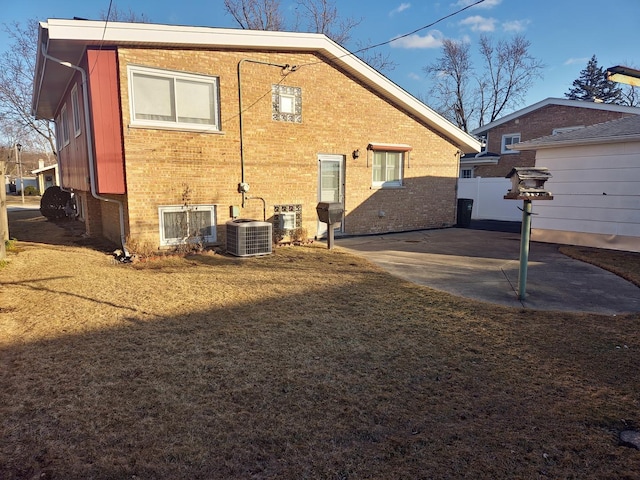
(452, 95)
(256, 14)
(630, 96)
(316, 16)
(467, 97)
(509, 72)
(17, 65)
(376, 59)
(115, 14)
(321, 16)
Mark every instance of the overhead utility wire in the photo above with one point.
(401, 36)
(419, 29)
(104, 33)
(296, 67)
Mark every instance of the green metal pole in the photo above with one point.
(524, 249)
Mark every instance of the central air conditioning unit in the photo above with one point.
(249, 238)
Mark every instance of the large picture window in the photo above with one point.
(191, 224)
(179, 100)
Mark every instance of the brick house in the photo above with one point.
(550, 116)
(166, 129)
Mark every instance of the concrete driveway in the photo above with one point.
(484, 265)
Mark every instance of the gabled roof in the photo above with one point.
(482, 158)
(68, 39)
(625, 129)
(557, 101)
(44, 169)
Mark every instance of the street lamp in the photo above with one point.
(19, 162)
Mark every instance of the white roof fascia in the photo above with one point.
(44, 169)
(114, 33)
(557, 101)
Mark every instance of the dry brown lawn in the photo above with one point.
(307, 363)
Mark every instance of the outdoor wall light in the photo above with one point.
(355, 154)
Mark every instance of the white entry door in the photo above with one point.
(330, 185)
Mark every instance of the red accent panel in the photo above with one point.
(107, 121)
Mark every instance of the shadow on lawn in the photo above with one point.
(329, 384)
(29, 225)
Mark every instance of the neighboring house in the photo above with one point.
(47, 176)
(595, 184)
(548, 117)
(482, 175)
(180, 129)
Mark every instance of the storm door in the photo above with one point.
(330, 185)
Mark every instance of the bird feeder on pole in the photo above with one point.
(527, 184)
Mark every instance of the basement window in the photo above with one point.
(181, 224)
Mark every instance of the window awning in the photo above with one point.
(390, 147)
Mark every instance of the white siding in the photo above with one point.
(596, 192)
(488, 198)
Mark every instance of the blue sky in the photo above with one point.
(564, 34)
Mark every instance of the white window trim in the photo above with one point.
(58, 124)
(503, 148)
(164, 242)
(393, 183)
(288, 106)
(170, 125)
(288, 221)
(466, 169)
(75, 111)
(64, 126)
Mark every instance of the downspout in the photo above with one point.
(87, 123)
(458, 155)
(243, 187)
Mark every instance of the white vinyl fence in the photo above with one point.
(488, 202)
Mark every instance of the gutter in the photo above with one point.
(576, 142)
(87, 123)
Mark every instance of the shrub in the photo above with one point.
(30, 190)
(54, 202)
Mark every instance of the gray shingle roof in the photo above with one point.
(615, 131)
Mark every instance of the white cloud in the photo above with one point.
(515, 25)
(433, 39)
(414, 76)
(400, 8)
(479, 23)
(486, 4)
(573, 61)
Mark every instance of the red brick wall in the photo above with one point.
(339, 115)
(536, 124)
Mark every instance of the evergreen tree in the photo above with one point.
(592, 85)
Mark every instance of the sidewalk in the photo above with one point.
(484, 265)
